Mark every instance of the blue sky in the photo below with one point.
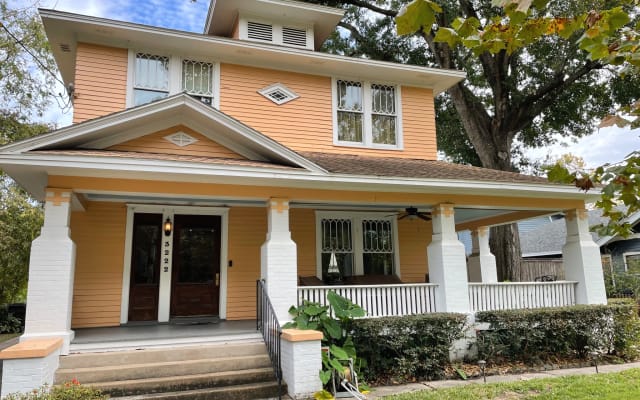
(604, 146)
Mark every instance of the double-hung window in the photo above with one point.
(155, 77)
(357, 244)
(366, 114)
(151, 78)
(197, 80)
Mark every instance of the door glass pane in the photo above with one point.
(377, 247)
(337, 242)
(196, 246)
(146, 250)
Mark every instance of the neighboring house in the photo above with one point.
(618, 253)
(200, 163)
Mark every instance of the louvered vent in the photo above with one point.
(294, 37)
(258, 31)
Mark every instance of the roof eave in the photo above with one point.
(64, 27)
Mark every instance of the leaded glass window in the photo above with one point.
(383, 114)
(350, 111)
(197, 80)
(377, 247)
(151, 78)
(337, 241)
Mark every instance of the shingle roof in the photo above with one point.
(413, 168)
(166, 157)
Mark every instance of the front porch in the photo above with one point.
(162, 335)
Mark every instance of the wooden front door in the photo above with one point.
(145, 267)
(195, 282)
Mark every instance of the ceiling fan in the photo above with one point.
(413, 213)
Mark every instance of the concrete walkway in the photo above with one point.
(382, 391)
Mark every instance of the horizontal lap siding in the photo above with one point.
(247, 233)
(156, 143)
(414, 237)
(100, 81)
(306, 123)
(419, 123)
(99, 235)
(303, 232)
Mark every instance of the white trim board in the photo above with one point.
(164, 296)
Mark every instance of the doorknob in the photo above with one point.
(217, 278)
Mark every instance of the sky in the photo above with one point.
(608, 145)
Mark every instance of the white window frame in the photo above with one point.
(367, 134)
(624, 258)
(356, 218)
(175, 74)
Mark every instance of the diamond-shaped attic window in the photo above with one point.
(278, 93)
(181, 139)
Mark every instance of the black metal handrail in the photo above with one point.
(267, 323)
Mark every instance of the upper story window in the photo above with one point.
(197, 80)
(151, 80)
(366, 114)
(154, 77)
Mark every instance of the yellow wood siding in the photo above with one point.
(156, 143)
(247, 232)
(99, 235)
(100, 81)
(413, 238)
(303, 232)
(306, 123)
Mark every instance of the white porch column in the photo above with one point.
(51, 273)
(482, 264)
(447, 263)
(581, 259)
(279, 263)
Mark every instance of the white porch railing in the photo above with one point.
(379, 300)
(519, 295)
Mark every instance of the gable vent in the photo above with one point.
(65, 47)
(294, 37)
(258, 31)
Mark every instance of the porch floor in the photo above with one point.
(162, 335)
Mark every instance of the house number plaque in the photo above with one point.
(165, 260)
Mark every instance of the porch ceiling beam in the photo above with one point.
(500, 219)
(137, 186)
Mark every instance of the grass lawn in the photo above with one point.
(614, 386)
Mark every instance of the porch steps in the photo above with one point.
(220, 371)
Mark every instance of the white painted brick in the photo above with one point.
(24, 375)
(301, 365)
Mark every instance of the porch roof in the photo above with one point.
(414, 168)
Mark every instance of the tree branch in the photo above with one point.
(367, 5)
(354, 31)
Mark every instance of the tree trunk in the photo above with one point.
(505, 246)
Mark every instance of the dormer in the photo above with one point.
(281, 22)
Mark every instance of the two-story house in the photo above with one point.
(198, 164)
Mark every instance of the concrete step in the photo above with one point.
(161, 369)
(185, 382)
(252, 391)
(159, 355)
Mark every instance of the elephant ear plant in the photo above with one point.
(334, 322)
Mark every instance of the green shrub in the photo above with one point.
(67, 391)
(538, 335)
(407, 348)
(8, 322)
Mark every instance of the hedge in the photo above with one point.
(406, 348)
(538, 335)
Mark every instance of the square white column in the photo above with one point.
(482, 264)
(581, 259)
(447, 262)
(51, 273)
(279, 263)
